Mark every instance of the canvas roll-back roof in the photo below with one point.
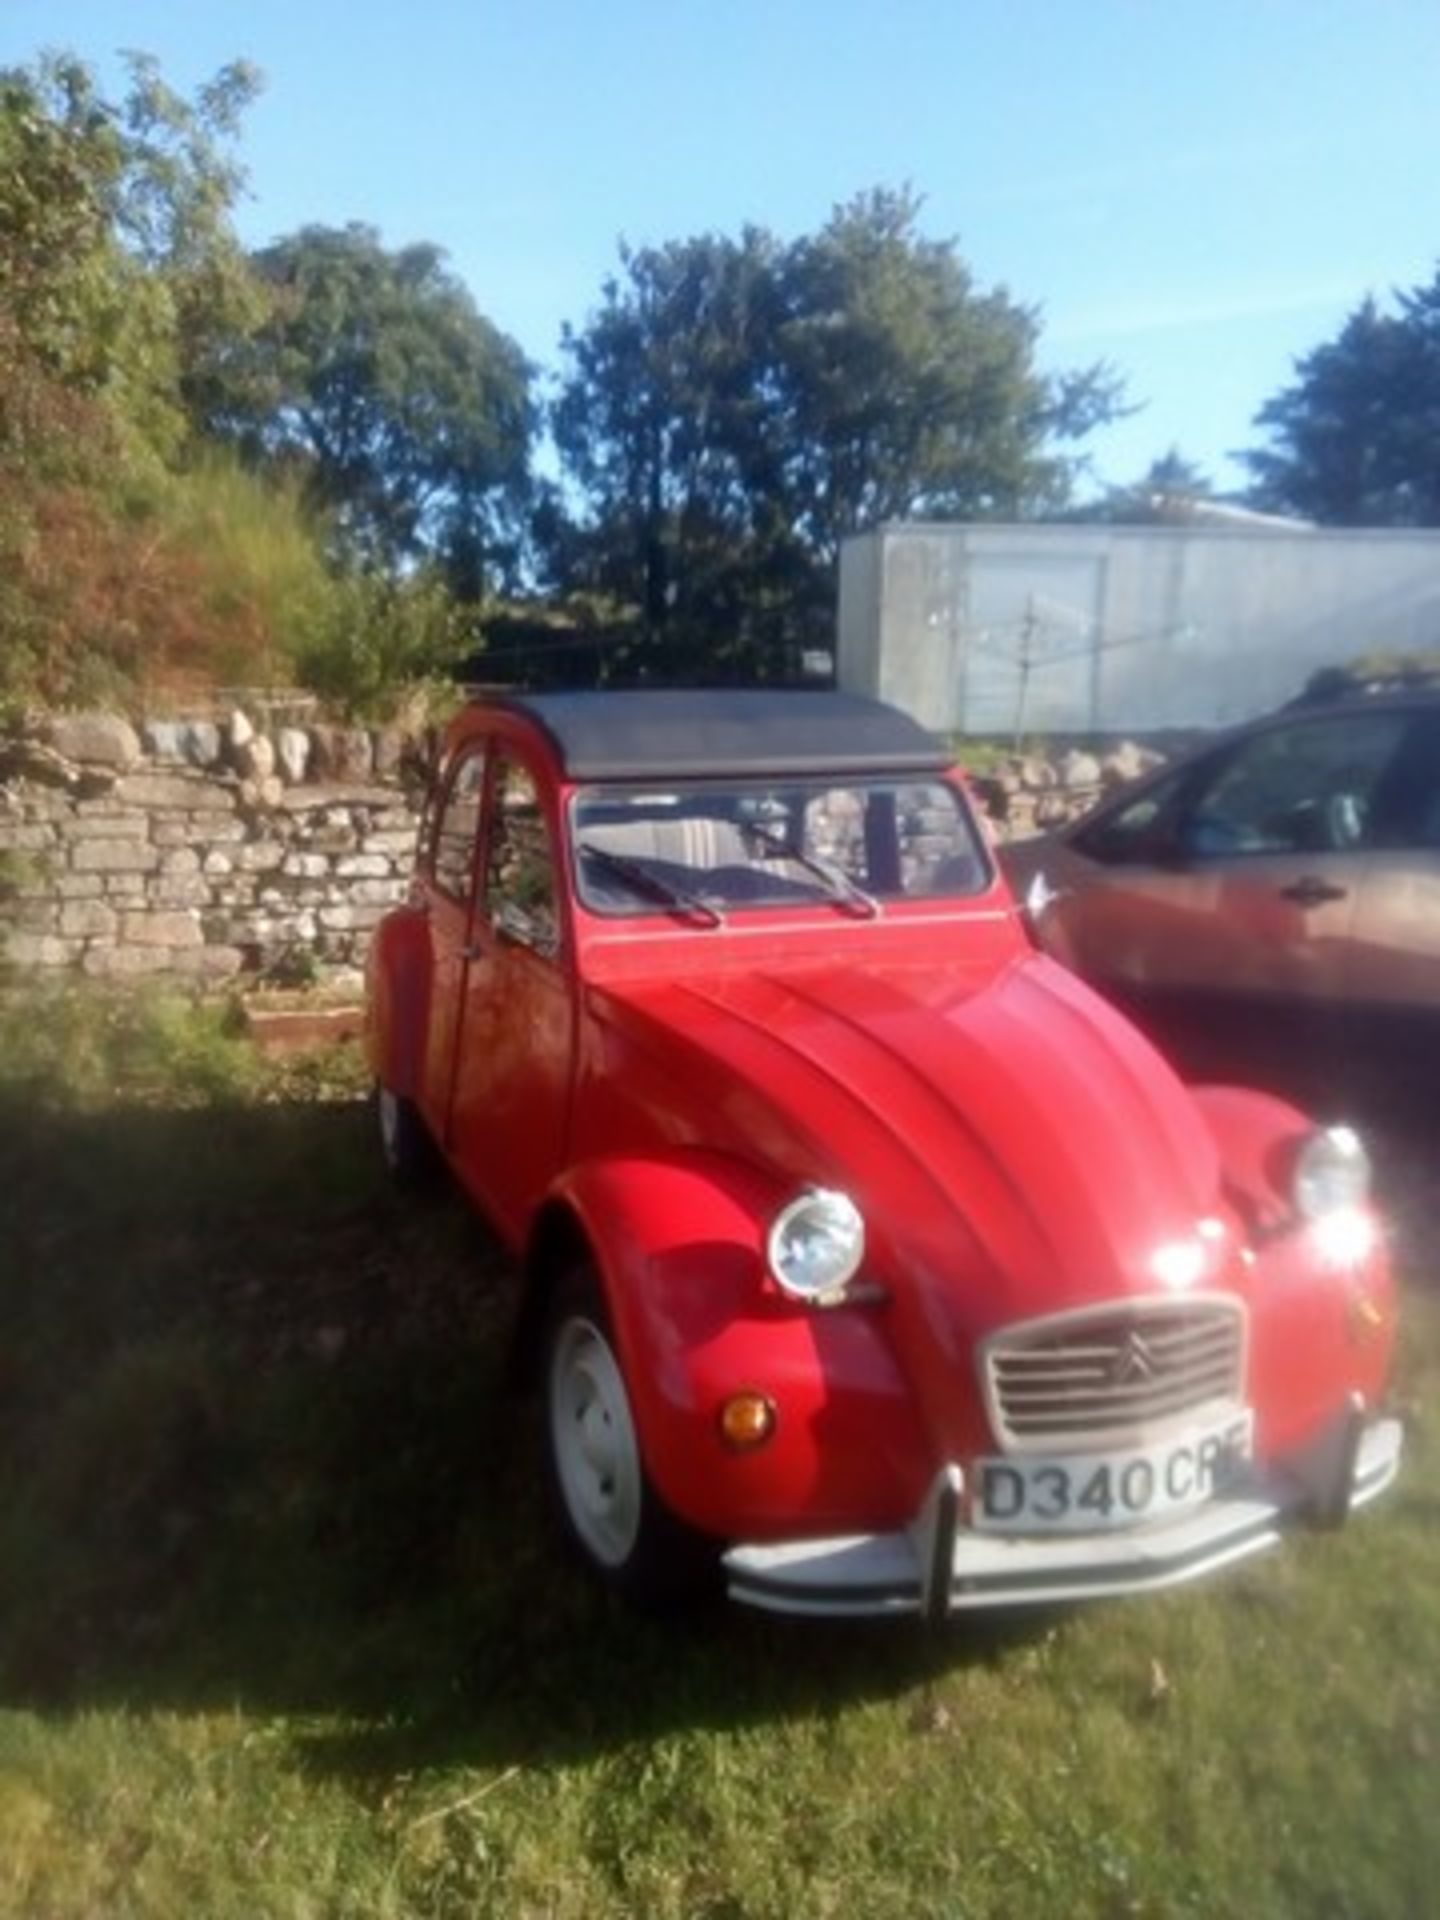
(646, 733)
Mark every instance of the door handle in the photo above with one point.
(472, 950)
(1312, 892)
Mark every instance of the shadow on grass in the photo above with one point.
(257, 1452)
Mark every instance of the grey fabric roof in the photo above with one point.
(646, 732)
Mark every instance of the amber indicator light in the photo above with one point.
(747, 1420)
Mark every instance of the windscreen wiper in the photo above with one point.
(644, 881)
(843, 890)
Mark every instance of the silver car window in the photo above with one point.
(1306, 788)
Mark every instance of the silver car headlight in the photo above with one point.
(816, 1244)
(1332, 1174)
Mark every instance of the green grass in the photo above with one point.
(283, 1630)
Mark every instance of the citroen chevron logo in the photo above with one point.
(1133, 1363)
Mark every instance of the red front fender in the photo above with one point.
(1258, 1137)
(1322, 1322)
(679, 1243)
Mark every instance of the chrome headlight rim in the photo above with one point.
(833, 1216)
(1333, 1174)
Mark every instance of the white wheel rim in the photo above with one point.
(388, 1107)
(597, 1459)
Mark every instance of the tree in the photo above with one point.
(118, 264)
(652, 422)
(1166, 494)
(909, 391)
(1356, 438)
(736, 407)
(118, 268)
(408, 414)
(174, 200)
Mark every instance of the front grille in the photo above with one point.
(1106, 1375)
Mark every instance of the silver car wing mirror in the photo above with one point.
(1040, 896)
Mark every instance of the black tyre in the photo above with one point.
(609, 1510)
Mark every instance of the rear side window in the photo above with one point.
(1308, 788)
(520, 898)
(457, 823)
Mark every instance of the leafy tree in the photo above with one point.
(375, 375)
(652, 422)
(1175, 477)
(134, 329)
(387, 646)
(175, 196)
(736, 407)
(1163, 495)
(130, 560)
(911, 392)
(118, 265)
(1356, 438)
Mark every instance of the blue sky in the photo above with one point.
(1197, 193)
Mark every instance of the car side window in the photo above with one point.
(520, 892)
(1307, 788)
(456, 825)
(1135, 830)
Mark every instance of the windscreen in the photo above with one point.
(720, 846)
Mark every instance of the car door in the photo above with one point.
(510, 1113)
(1238, 889)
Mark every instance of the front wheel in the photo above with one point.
(608, 1506)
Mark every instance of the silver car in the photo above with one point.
(1275, 895)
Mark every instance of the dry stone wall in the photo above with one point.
(201, 851)
(1029, 793)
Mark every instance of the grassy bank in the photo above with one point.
(282, 1631)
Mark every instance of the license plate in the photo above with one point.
(1090, 1492)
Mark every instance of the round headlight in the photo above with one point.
(1332, 1173)
(816, 1244)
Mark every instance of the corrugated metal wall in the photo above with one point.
(982, 629)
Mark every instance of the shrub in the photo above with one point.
(384, 645)
(71, 1047)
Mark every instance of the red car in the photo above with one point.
(868, 1254)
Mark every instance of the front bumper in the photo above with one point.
(936, 1567)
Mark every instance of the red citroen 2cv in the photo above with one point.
(869, 1257)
